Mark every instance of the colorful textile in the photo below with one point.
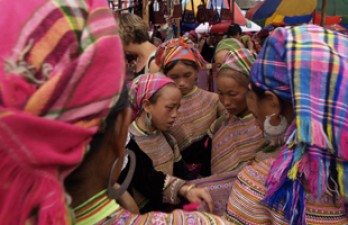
(239, 60)
(280, 12)
(219, 186)
(244, 203)
(160, 188)
(98, 206)
(100, 210)
(157, 148)
(307, 66)
(50, 103)
(228, 44)
(197, 112)
(178, 49)
(143, 87)
(234, 144)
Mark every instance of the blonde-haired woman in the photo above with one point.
(134, 33)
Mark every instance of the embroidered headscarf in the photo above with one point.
(307, 66)
(239, 60)
(228, 44)
(62, 69)
(178, 49)
(144, 87)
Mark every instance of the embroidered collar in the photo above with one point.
(95, 209)
(141, 131)
(192, 92)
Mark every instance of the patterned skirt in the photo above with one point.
(244, 204)
(177, 217)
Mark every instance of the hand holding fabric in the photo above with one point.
(197, 194)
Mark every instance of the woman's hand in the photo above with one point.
(197, 194)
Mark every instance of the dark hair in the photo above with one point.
(109, 122)
(74, 179)
(260, 94)
(258, 91)
(234, 30)
(171, 65)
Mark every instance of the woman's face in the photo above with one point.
(232, 94)
(165, 110)
(184, 77)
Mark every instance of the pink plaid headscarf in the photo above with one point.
(62, 70)
(144, 87)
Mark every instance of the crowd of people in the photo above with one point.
(82, 143)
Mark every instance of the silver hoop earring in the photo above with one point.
(148, 120)
(116, 193)
(275, 134)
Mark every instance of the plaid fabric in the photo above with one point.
(143, 87)
(58, 80)
(307, 65)
(228, 44)
(178, 49)
(239, 60)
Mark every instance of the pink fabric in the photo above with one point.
(58, 80)
(144, 87)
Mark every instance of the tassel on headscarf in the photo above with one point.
(315, 81)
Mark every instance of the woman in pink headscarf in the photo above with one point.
(156, 150)
(61, 111)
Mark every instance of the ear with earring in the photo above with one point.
(275, 133)
(148, 120)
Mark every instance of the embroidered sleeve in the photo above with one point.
(171, 188)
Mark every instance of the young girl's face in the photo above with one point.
(165, 110)
(184, 77)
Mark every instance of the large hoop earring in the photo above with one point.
(275, 134)
(148, 120)
(116, 193)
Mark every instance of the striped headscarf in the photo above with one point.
(144, 87)
(239, 60)
(228, 44)
(58, 81)
(178, 49)
(308, 66)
